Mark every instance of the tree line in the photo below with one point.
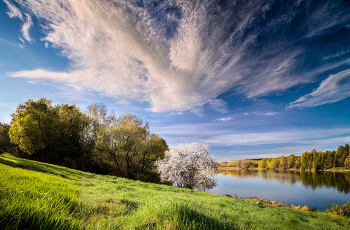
(313, 160)
(96, 141)
(310, 179)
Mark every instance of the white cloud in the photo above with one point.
(269, 113)
(178, 113)
(337, 54)
(25, 28)
(220, 134)
(199, 111)
(218, 105)
(327, 16)
(224, 119)
(179, 56)
(335, 88)
(13, 11)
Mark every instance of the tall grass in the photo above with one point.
(34, 195)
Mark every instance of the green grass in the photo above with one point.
(340, 168)
(35, 195)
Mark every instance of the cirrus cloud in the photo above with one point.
(177, 54)
(335, 88)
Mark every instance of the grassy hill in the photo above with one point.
(36, 195)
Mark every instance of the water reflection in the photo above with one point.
(312, 179)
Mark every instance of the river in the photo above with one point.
(314, 189)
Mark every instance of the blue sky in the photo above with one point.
(250, 79)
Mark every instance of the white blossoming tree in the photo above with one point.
(188, 165)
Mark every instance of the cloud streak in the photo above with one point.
(25, 28)
(335, 88)
(222, 134)
(13, 11)
(179, 55)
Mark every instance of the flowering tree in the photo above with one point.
(189, 165)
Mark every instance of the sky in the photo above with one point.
(249, 79)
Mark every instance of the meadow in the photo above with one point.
(36, 195)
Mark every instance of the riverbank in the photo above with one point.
(36, 195)
(339, 169)
(252, 169)
(336, 169)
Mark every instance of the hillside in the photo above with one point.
(36, 195)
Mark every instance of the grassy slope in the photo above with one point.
(62, 198)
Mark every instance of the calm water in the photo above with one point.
(314, 189)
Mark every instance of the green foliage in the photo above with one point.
(25, 132)
(283, 162)
(273, 163)
(307, 161)
(262, 163)
(5, 142)
(343, 210)
(128, 143)
(62, 198)
(97, 141)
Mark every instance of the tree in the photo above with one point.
(347, 161)
(26, 133)
(5, 142)
(283, 162)
(188, 165)
(291, 161)
(262, 163)
(127, 142)
(306, 161)
(273, 164)
(32, 126)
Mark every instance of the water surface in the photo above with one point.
(314, 189)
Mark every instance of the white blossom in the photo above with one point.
(188, 165)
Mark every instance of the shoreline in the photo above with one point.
(257, 169)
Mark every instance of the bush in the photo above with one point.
(342, 210)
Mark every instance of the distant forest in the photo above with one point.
(96, 141)
(307, 161)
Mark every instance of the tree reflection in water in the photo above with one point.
(309, 179)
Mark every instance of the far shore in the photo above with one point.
(256, 169)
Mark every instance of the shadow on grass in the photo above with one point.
(182, 216)
(35, 219)
(42, 167)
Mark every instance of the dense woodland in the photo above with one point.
(96, 141)
(307, 161)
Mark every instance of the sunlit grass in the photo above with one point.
(54, 197)
(340, 168)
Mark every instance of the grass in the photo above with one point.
(35, 195)
(338, 168)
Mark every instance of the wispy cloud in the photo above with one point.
(269, 113)
(13, 10)
(220, 134)
(337, 54)
(224, 119)
(178, 55)
(218, 105)
(8, 42)
(177, 113)
(326, 16)
(335, 88)
(25, 28)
